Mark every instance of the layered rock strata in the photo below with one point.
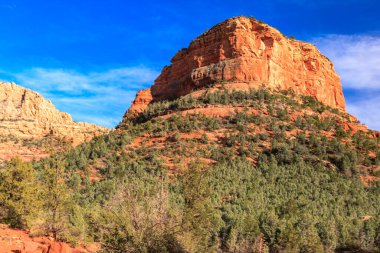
(245, 50)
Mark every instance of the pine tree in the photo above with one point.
(199, 221)
(56, 199)
(19, 194)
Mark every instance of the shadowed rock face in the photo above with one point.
(26, 115)
(246, 50)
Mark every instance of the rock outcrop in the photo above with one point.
(26, 115)
(245, 50)
(12, 240)
(141, 102)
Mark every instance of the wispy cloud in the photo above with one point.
(367, 109)
(357, 60)
(96, 97)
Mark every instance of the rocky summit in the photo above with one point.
(27, 119)
(247, 53)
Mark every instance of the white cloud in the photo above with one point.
(357, 61)
(96, 97)
(47, 80)
(367, 110)
(76, 83)
(356, 58)
(130, 75)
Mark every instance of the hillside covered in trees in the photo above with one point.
(262, 180)
(242, 145)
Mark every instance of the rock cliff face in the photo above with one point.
(246, 50)
(141, 102)
(26, 115)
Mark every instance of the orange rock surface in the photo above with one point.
(141, 102)
(246, 50)
(19, 241)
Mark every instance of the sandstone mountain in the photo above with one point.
(245, 53)
(236, 59)
(29, 122)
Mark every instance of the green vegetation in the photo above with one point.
(256, 99)
(18, 204)
(240, 183)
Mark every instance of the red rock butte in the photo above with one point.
(245, 50)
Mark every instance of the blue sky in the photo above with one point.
(90, 57)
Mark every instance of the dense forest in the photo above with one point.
(276, 180)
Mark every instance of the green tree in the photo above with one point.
(139, 218)
(56, 197)
(19, 194)
(199, 220)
